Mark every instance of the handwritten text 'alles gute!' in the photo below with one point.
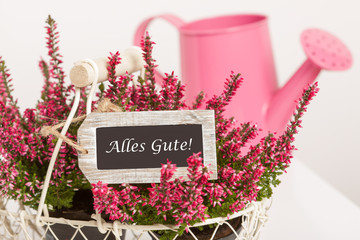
(129, 145)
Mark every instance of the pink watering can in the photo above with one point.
(212, 48)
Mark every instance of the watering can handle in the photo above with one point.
(174, 20)
(140, 31)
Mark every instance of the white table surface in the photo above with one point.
(306, 207)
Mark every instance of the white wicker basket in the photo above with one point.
(18, 222)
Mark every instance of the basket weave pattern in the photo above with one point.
(20, 224)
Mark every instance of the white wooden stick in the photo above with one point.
(82, 74)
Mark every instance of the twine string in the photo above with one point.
(105, 105)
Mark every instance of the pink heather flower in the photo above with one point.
(115, 86)
(8, 175)
(172, 93)
(119, 204)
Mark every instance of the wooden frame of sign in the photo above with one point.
(129, 147)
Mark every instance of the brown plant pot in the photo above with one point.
(66, 232)
(81, 210)
(223, 233)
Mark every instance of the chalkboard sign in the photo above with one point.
(129, 147)
(146, 146)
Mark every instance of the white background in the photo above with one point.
(329, 142)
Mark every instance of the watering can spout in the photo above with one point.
(324, 51)
(284, 101)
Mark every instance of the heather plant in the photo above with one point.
(248, 168)
(25, 154)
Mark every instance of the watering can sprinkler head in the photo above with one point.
(323, 51)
